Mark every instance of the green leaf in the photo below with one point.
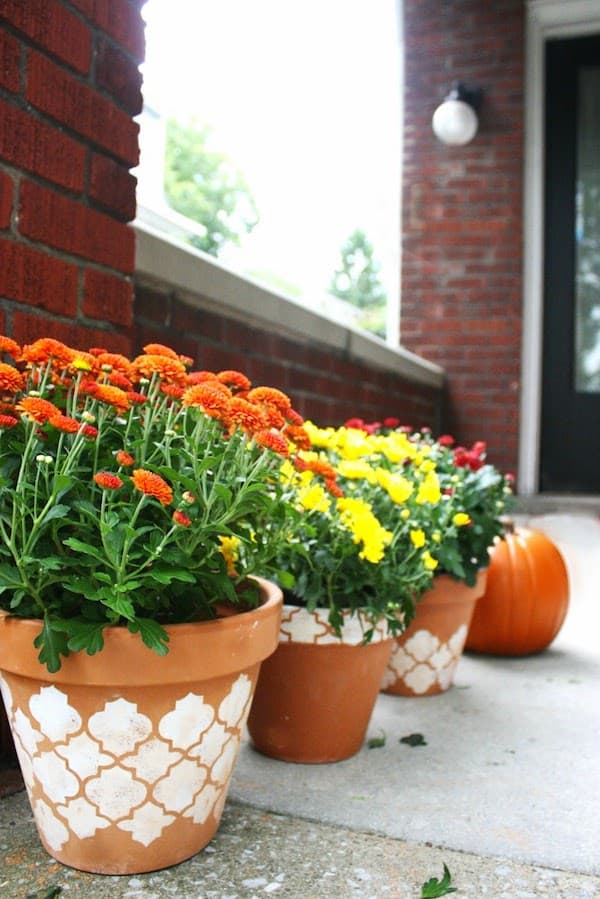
(118, 604)
(52, 643)
(376, 742)
(413, 740)
(80, 547)
(9, 577)
(152, 634)
(166, 575)
(86, 635)
(58, 511)
(434, 887)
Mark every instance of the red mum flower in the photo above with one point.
(89, 431)
(391, 422)
(446, 440)
(108, 481)
(357, 423)
(181, 518)
(136, 399)
(273, 440)
(124, 458)
(120, 380)
(8, 421)
(152, 485)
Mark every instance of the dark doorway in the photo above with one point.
(570, 432)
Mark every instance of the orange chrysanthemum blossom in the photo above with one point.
(64, 423)
(108, 481)
(37, 409)
(247, 415)
(181, 518)
(294, 418)
(170, 370)
(117, 362)
(97, 350)
(152, 485)
(135, 398)
(187, 361)
(270, 396)
(124, 458)
(333, 488)
(213, 402)
(8, 421)
(173, 390)
(273, 440)
(159, 349)
(11, 380)
(199, 377)
(273, 417)
(42, 351)
(298, 436)
(82, 362)
(112, 396)
(9, 346)
(320, 467)
(234, 379)
(117, 379)
(90, 432)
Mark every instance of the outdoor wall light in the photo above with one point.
(455, 120)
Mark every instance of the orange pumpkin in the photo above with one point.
(526, 597)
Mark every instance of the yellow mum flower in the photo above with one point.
(429, 489)
(427, 465)
(460, 519)
(428, 561)
(397, 486)
(314, 498)
(356, 469)
(405, 514)
(365, 528)
(229, 551)
(417, 538)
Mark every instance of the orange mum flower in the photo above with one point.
(108, 481)
(38, 409)
(298, 436)
(9, 346)
(11, 381)
(152, 485)
(136, 399)
(187, 361)
(64, 423)
(213, 402)
(8, 421)
(273, 417)
(249, 416)
(97, 350)
(333, 488)
(198, 377)
(159, 349)
(173, 390)
(117, 379)
(41, 351)
(273, 440)
(234, 379)
(171, 370)
(113, 396)
(124, 458)
(117, 363)
(181, 518)
(270, 396)
(294, 417)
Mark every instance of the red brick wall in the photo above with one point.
(323, 383)
(69, 88)
(461, 270)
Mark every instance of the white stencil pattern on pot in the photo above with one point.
(424, 660)
(117, 769)
(301, 626)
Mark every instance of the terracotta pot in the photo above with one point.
(127, 755)
(316, 693)
(424, 658)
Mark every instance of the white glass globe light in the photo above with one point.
(454, 122)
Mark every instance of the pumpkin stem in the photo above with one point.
(508, 524)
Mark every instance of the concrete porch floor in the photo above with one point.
(506, 792)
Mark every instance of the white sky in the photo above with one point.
(303, 97)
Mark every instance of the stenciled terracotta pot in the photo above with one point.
(127, 755)
(315, 694)
(424, 658)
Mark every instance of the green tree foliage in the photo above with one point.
(357, 281)
(203, 184)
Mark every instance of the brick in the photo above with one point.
(113, 187)
(7, 191)
(10, 63)
(119, 75)
(84, 6)
(124, 23)
(35, 146)
(65, 224)
(58, 94)
(37, 279)
(152, 305)
(107, 297)
(28, 327)
(50, 25)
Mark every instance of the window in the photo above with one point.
(301, 105)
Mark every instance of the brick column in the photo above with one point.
(461, 270)
(69, 88)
